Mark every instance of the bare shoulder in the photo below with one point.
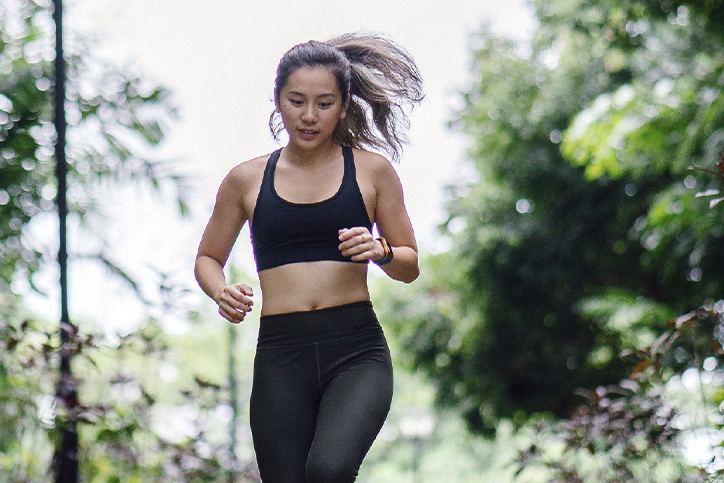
(373, 164)
(240, 187)
(247, 174)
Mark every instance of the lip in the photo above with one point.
(307, 134)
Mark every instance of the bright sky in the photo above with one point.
(219, 58)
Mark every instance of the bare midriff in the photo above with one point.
(312, 285)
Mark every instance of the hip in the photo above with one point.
(306, 327)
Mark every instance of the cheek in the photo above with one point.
(285, 112)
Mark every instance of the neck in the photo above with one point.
(320, 155)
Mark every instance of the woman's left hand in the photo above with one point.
(359, 244)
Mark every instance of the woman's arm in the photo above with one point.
(393, 223)
(219, 237)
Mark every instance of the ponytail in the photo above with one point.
(380, 79)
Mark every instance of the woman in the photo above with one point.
(322, 373)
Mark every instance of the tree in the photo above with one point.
(581, 234)
(116, 119)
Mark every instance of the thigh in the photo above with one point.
(351, 413)
(283, 411)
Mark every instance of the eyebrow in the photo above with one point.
(295, 93)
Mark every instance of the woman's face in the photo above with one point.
(311, 105)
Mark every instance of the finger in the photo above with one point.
(355, 238)
(345, 234)
(360, 252)
(245, 289)
(236, 307)
(350, 247)
(233, 313)
(237, 296)
(350, 233)
(230, 301)
(233, 316)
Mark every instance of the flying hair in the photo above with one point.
(379, 77)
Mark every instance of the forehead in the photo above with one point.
(313, 81)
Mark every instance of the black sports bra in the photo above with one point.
(283, 232)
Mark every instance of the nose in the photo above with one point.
(309, 114)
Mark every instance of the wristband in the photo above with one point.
(387, 258)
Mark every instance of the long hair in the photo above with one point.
(380, 79)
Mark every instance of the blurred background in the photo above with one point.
(563, 177)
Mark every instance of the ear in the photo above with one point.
(343, 112)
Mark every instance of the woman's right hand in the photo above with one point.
(235, 302)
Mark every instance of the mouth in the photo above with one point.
(307, 133)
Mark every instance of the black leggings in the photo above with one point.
(322, 390)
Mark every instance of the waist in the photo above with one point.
(308, 286)
(312, 326)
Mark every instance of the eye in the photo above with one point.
(295, 102)
(326, 105)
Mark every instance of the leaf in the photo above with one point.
(709, 192)
(206, 384)
(659, 341)
(716, 345)
(639, 368)
(685, 319)
(12, 343)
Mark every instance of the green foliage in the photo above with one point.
(132, 425)
(637, 430)
(116, 120)
(116, 117)
(26, 350)
(584, 231)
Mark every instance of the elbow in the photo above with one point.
(412, 270)
(201, 267)
(410, 275)
(197, 270)
(413, 276)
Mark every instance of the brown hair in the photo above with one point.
(380, 79)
